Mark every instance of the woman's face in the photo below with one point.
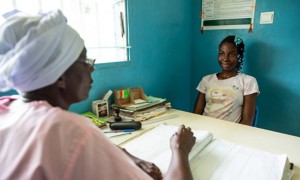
(228, 57)
(78, 79)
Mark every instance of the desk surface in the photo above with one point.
(262, 139)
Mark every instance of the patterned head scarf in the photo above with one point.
(36, 50)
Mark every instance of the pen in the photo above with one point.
(124, 130)
(120, 134)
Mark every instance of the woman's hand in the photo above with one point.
(150, 168)
(183, 141)
(181, 144)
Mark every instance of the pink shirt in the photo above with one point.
(39, 141)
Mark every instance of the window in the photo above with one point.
(101, 23)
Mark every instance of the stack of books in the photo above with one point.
(152, 107)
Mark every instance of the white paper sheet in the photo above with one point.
(154, 146)
(210, 159)
(224, 160)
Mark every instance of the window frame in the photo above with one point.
(61, 4)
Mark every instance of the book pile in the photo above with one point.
(144, 110)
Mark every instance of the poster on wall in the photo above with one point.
(227, 14)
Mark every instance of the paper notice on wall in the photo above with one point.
(227, 14)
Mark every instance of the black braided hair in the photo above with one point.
(239, 44)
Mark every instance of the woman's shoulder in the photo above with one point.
(246, 77)
(67, 117)
(55, 117)
(209, 76)
(247, 80)
(40, 116)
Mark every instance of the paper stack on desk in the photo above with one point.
(211, 159)
(139, 112)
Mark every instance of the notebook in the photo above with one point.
(210, 158)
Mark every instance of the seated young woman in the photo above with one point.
(229, 95)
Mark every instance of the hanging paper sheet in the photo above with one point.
(227, 14)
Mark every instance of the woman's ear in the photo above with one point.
(61, 82)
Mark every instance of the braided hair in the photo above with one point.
(239, 44)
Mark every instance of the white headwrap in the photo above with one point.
(36, 50)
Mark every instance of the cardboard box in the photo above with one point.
(129, 96)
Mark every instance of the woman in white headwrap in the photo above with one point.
(44, 60)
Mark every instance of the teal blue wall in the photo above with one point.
(272, 56)
(169, 56)
(160, 57)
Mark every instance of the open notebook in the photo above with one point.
(211, 158)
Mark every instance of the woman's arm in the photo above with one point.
(200, 104)
(181, 144)
(248, 111)
(150, 168)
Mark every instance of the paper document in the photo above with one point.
(211, 159)
(225, 160)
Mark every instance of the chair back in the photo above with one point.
(254, 123)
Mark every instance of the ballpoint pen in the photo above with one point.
(120, 134)
(117, 131)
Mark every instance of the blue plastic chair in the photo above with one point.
(254, 123)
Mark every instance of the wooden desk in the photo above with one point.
(266, 140)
